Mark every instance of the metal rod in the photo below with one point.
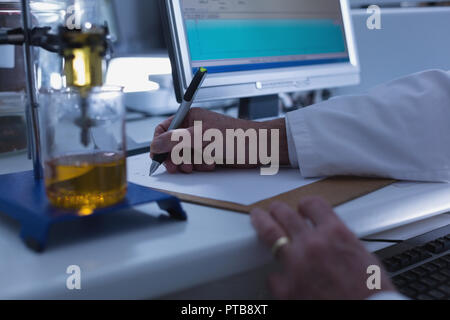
(32, 105)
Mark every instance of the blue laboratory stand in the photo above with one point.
(23, 198)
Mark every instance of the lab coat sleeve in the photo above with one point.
(398, 130)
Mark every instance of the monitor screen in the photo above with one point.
(260, 47)
(244, 35)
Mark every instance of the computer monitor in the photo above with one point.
(260, 47)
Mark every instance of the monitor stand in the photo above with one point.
(259, 107)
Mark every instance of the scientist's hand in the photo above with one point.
(323, 260)
(162, 142)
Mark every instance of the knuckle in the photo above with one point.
(339, 231)
(311, 201)
(277, 211)
(275, 206)
(158, 132)
(282, 210)
(286, 216)
(270, 233)
(306, 205)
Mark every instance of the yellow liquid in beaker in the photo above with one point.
(86, 182)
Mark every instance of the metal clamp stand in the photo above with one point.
(22, 195)
(32, 109)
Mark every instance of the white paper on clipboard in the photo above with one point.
(243, 187)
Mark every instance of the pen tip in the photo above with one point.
(153, 168)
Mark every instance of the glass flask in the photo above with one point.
(84, 151)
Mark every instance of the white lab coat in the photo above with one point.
(398, 130)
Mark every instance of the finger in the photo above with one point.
(205, 167)
(279, 286)
(170, 167)
(293, 223)
(159, 131)
(267, 228)
(164, 142)
(163, 126)
(186, 168)
(152, 155)
(317, 210)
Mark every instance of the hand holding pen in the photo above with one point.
(181, 114)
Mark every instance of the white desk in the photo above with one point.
(128, 254)
(136, 255)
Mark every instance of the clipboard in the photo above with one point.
(335, 190)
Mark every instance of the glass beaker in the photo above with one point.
(78, 175)
(13, 132)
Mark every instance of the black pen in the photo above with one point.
(181, 114)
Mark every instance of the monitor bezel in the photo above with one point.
(240, 84)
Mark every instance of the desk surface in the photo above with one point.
(137, 254)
